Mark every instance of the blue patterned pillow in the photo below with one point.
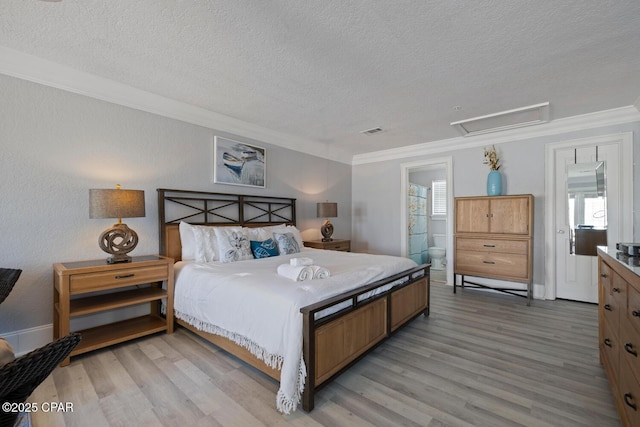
(286, 243)
(264, 249)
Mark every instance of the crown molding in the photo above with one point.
(32, 68)
(598, 119)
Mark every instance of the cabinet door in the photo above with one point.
(509, 215)
(472, 215)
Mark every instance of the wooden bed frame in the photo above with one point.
(330, 344)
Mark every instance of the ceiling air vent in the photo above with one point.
(371, 131)
(519, 117)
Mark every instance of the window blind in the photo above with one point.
(439, 197)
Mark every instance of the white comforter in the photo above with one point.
(249, 303)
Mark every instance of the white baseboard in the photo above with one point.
(26, 340)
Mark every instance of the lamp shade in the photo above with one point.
(116, 203)
(327, 210)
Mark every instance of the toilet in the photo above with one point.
(438, 251)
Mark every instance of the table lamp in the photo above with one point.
(327, 210)
(118, 240)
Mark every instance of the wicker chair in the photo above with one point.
(18, 379)
(8, 278)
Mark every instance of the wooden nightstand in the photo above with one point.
(79, 290)
(334, 245)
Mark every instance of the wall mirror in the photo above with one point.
(586, 189)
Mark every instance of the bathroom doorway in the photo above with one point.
(427, 213)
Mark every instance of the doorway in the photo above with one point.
(570, 273)
(427, 215)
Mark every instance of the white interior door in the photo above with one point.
(576, 275)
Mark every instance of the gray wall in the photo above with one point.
(56, 145)
(376, 189)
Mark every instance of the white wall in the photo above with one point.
(55, 145)
(376, 189)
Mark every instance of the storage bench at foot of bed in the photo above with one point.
(332, 344)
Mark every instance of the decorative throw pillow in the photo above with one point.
(264, 249)
(270, 229)
(233, 245)
(205, 244)
(287, 243)
(6, 352)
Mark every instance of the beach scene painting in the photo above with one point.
(238, 163)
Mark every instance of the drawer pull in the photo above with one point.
(628, 399)
(607, 307)
(125, 276)
(488, 262)
(616, 290)
(607, 342)
(629, 347)
(489, 246)
(604, 275)
(635, 313)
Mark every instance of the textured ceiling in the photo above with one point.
(325, 70)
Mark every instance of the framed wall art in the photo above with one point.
(238, 163)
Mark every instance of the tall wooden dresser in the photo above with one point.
(494, 239)
(619, 329)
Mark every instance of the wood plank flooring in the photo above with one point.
(480, 359)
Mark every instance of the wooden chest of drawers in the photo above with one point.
(619, 332)
(493, 239)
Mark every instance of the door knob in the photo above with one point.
(560, 231)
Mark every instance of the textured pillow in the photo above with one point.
(287, 243)
(264, 249)
(6, 352)
(285, 229)
(205, 244)
(233, 245)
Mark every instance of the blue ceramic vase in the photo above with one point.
(494, 183)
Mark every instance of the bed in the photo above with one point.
(322, 327)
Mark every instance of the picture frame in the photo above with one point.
(239, 163)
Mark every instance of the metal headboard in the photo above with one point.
(204, 208)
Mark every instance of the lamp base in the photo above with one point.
(117, 259)
(118, 241)
(327, 231)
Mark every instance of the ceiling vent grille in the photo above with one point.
(371, 131)
(519, 117)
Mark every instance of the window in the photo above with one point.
(439, 197)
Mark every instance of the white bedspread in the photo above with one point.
(249, 303)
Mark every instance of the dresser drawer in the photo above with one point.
(610, 348)
(629, 390)
(493, 245)
(497, 265)
(633, 307)
(89, 282)
(338, 246)
(630, 349)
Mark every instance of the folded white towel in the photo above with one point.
(303, 272)
(320, 272)
(297, 262)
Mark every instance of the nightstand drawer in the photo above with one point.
(337, 246)
(343, 245)
(89, 282)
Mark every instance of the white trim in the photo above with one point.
(48, 73)
(26, 340)
(611, 117)
(434, 163)
(625, 142)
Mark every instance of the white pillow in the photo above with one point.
(205, 244)
(187, 241)
(286, 242)
(233, 244)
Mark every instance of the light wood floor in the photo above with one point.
(480, 359)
